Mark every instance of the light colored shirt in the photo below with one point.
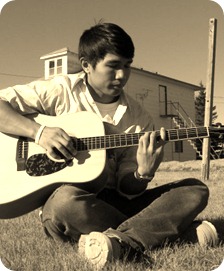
(108, 110)
(69, 94)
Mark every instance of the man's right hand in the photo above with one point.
(57, 143)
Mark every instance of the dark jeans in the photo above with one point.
(160, 214)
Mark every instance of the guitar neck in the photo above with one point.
(132, 139)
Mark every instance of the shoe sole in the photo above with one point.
(203, 231)
(97, 248)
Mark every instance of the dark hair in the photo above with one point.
(102, 39)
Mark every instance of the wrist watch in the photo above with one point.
(143, 177)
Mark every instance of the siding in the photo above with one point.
(145, 89)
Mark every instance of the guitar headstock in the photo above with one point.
(217, 131)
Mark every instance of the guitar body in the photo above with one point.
(21, 192)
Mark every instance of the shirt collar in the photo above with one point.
(80, 78)
(77, 78)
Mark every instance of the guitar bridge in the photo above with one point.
(21, 153)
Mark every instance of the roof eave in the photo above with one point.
(192, 86)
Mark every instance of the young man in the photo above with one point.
(120, 215)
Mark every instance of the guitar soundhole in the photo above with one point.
(41, 165)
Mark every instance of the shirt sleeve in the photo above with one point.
(42, 96)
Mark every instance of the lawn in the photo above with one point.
(24, 246)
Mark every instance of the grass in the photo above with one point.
(24, 246)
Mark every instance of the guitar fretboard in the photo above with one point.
(132, 139)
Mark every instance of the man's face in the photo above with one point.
(109, 77)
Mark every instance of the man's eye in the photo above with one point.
(113, 66)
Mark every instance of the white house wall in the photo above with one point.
(145, 89)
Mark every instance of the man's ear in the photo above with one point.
(85, 65)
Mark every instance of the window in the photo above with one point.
(51, 68)
(163, 100)
(59, 66)
(178, 146)
(55, 67)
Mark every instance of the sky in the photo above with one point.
(170, 36)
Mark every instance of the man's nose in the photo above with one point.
(120, 74)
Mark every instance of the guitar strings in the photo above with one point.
(131, 139)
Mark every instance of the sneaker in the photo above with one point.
(207, 234)
(101, 249)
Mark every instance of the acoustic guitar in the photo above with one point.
(28, 175)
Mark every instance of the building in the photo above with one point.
(169, 101)
(61, 61)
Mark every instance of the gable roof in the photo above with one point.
(60, 52)
(166, 78)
